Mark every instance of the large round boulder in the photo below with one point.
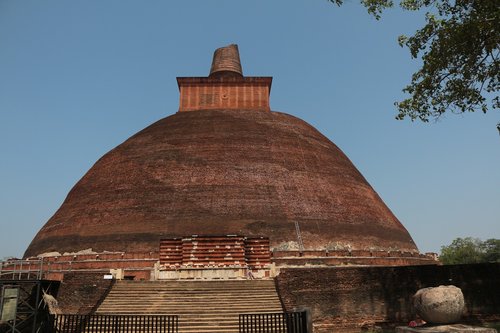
(439, 305)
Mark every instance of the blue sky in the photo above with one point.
(77, 78)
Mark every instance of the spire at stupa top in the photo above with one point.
(226, 62)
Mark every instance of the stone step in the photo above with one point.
(186, 298)
(159, 306)
(191, 281)
(201, 306)
(218, 329)
(197, 284)
(189, 315)
(189, 305)
(194, 286)
(188, 287)
(197, 329)
(186, 313)
(173, 311)
(194, 299)
(192, 290)
(194, 296)
(204, 328)
(240, 290)
(173, 305)
(257, 292)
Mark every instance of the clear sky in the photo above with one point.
(78, 77)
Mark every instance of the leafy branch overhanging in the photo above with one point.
(460, 50)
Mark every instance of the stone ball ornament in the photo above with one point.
(439, 305)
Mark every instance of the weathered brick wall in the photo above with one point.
(81, 293)
(350, 298)
(233, 93)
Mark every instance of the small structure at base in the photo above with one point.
(214, 257)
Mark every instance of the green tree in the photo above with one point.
(462, 251)
(460, 50)
(470, 251)
(491, 249)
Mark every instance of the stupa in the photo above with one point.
(225, 164)
(233, 213)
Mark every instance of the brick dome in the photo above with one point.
(220, 172)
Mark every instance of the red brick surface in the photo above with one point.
(227, 93)
(218, 173)
(220, 251)
(352, 298)
(81, 293)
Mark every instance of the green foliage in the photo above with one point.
(462, 251)
(374, 7)
(470, 250)
(491, 248)
(460, 50)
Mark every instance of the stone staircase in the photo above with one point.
(202, 306)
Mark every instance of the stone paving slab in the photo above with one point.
(456, 328)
